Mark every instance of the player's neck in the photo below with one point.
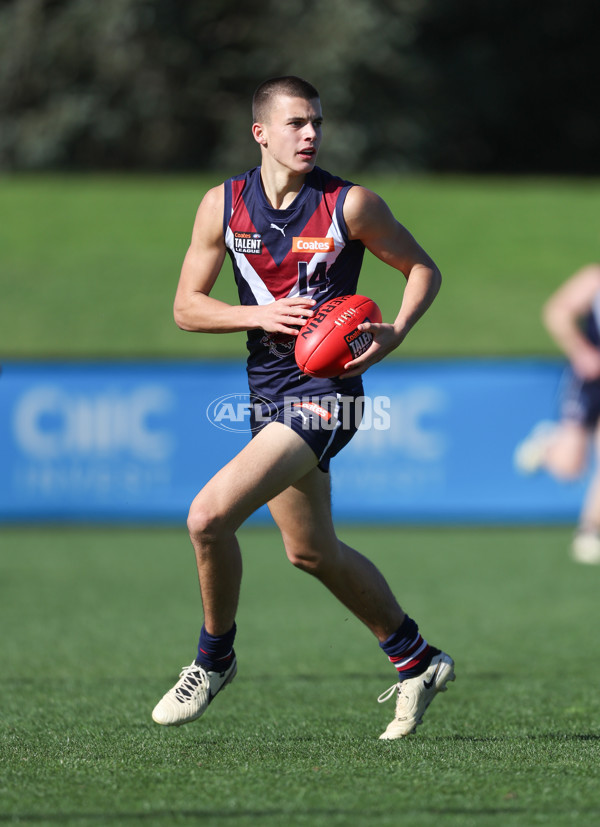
(281, 186)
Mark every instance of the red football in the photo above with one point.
(331, 338)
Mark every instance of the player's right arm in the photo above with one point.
(562, 315)
(195, 310)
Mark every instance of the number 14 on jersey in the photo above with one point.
(315, 283)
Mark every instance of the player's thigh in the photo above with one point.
(302, 513)
(273, 460)
(568, 452)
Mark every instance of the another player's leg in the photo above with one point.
(586, 543)
(562, 450)
(303, 514)
(531, 454)
(270, 462)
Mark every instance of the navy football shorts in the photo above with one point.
(580, 401)
(327, 423)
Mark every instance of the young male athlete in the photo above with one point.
(265, 220)
(562, 448)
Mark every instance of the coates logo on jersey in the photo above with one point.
(302, 244)
(247, 243)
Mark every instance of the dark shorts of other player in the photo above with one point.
(580, 401)
(326, 423)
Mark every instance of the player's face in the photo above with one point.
(292, 134)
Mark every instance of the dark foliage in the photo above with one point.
(460, 85)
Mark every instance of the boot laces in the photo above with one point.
(385, 696)
(192, 678)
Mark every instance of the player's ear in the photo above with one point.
(258, 131)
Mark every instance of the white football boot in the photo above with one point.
(191, 695)
(586, 547)
(415, 695)
(530, 454)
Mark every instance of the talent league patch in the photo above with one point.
(358, 341)
(247, 243)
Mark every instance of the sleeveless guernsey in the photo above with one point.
(303, 250)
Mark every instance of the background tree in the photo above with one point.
(406, 84)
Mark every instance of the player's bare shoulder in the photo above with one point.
(576, 295)
(209, 216)
(364, 211)
(214, 198)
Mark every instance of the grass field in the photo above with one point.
(89, 265)
(96, 624)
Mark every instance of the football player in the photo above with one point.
(295, 235)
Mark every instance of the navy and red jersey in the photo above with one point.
(580, 398)
(592, 322)
(302, 250)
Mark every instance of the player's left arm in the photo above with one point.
(369, 219)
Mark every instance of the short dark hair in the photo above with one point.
(289, 85)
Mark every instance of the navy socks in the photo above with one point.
(215, 652)
(408, 651)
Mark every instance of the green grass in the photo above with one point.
(89, 265)
(96, 624)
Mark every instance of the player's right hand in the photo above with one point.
(285, 315)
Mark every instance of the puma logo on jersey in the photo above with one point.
(281, 229)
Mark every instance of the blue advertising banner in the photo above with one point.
(135, 441)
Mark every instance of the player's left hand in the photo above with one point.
(385, 339)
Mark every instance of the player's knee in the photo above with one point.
(204, 522)
(567, 474)
(310, 559)
(566, 468)
(305, 563)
